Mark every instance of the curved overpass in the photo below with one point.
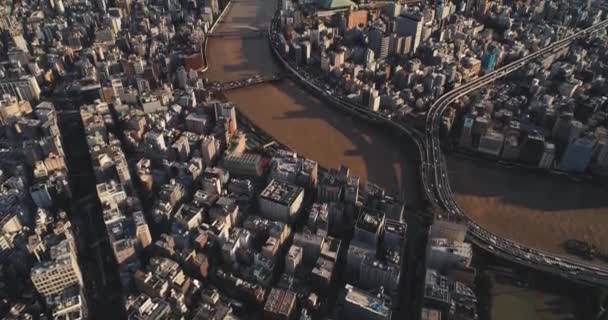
(435, 178)
(434, 171)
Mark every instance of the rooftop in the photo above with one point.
(367, 301)
(370, 221)
(281, 192)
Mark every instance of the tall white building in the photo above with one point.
(26, 87)
(61, 272)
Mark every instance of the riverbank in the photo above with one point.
(527, 221)
(536, 209)
(211, 29)
(299, 120)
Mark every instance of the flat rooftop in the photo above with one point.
(281, 192)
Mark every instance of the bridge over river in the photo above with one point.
(246, 82)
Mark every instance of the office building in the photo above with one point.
(293, 259)
(310, 244)
(602, 152)
(142, 231)
(410, 24)
(281, 201)
(491, 143)
(246, 164)
(546, 161)
(448, 230)
(443, 254)
(510, 150)
(394, 233)
(436, 291)
(70, 305)
(379, 42)
(362, 305)
(374, 273)
(288, 167)
(144, 307)
(532, 149)
(52, 277)
(197, 123)
(209, 149)
(578, 155)
(466, 135)
(562, 126)
(25, 87)
(226, 111)
(489, 59)
(368, 229)
(322, 274)
(280, 305)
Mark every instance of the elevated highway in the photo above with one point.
(437, 186)
(434, 170)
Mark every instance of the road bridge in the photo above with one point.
(246, 82)
(245, 34)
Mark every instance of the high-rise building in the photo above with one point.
(532, 149)
(491, 143)
(546, 161)
(25, 87)
(293, 259)
(182, 77)
(448, 230)
(436, 290)
(368, 228)
(444, 255)
(489, 59)
(480, 126)
(602, 152)
(306, 48)
(246, 164)
(52, 277)
(510, 149)
(374, 273)
(208, 149)
(142, 231)
(359, 304)
(578, 155)
(372, 99)
(197, 123)
(281, 201)
(379, 42)
(466, 135)
(561, 129)
(410, 24)
(226, 111)
(392, 9)
(280, 304)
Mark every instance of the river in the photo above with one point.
(534, 208)
(537, 210)
(298, 119)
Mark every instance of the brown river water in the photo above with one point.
(535, 209)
